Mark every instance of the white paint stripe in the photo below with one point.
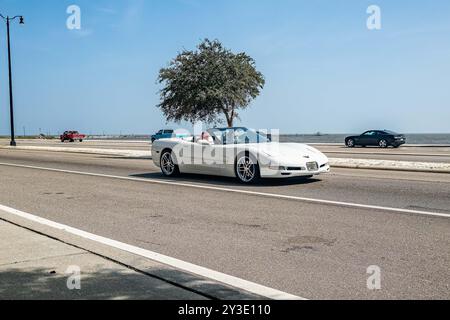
(101, 151)
(179, 264)
(240, 191)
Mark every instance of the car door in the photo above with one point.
(194, 158)
(167, 134)
(367, 139)
(207, 158)
(373, 140)
(213, 158)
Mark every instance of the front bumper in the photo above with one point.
(292, 171)
(398, 142)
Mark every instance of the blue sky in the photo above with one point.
(325, 70)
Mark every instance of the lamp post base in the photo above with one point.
(12, 143)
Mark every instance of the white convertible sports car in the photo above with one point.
(237, 152)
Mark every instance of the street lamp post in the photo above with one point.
(11, 101)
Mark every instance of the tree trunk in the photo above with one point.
(229, 117)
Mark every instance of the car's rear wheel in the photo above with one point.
(383, 143)
(247, 169)
(81, 140)
(168, 166)
(350, 143)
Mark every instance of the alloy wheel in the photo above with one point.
(167, 164)
(246, 169)
(383, 143)
(350, 143)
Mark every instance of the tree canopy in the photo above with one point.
(208, 83)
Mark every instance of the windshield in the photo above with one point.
(237, 136)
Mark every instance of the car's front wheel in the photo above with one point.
(247, 169)
(383, 143)
(350, 143)
(168, 166)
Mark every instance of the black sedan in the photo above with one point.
(380, 138)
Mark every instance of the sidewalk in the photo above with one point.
(33, 266)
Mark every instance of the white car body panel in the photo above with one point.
(218, 159)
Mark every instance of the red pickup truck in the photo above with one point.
(72, 136)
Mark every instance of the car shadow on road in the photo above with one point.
(127, 158)
(226, 181)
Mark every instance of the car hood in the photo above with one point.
(291, 152)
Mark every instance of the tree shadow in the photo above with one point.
(226, 181)
(107, 284)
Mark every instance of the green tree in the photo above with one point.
(208, 83)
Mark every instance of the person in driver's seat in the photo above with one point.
(207, 137)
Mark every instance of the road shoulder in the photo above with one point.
(36, 262)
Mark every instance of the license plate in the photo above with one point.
(312, 166)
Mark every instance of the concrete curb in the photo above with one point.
(108, 152)
(436, 167)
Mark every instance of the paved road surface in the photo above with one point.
(314, 250)
(406, 153)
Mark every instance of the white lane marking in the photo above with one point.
(176, 263)
(240, 191)
(389, 154)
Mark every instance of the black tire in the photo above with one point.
(246, 169)
(167, 164)
(63, 140)
(81, 140)
(153, 140)
(71, 140)
(350, 143)
(383, 143)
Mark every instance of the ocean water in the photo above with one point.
(414, 138)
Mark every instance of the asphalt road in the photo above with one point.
(405, 153)
(314, 250)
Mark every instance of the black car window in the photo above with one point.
(168, 131)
